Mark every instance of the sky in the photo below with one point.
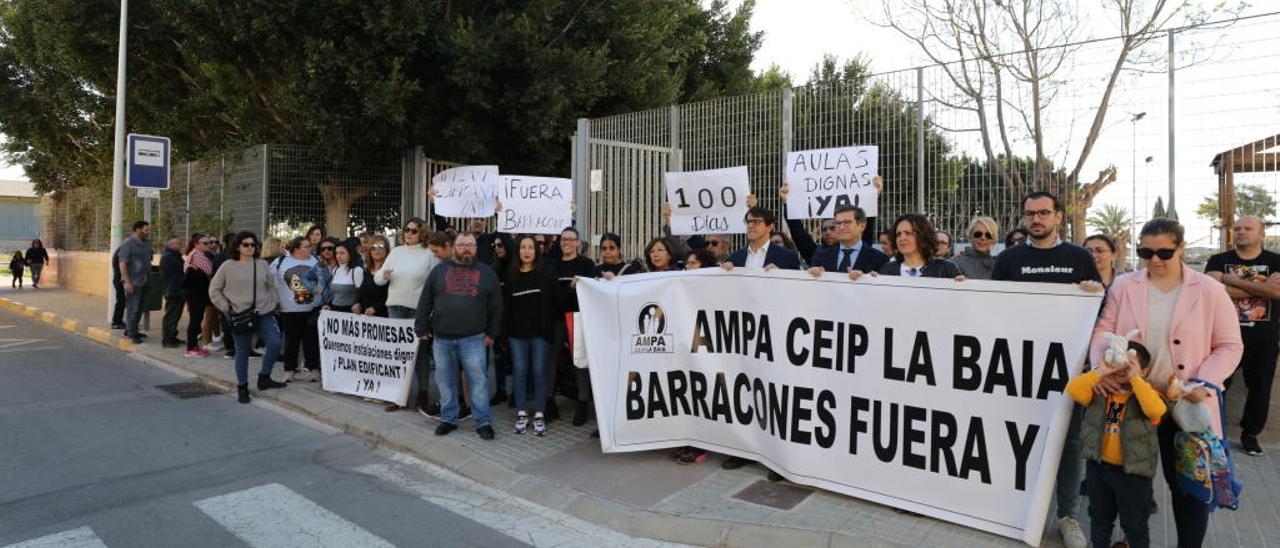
(1222, 102)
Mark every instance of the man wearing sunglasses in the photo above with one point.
(1251, 275)
(1047, 258)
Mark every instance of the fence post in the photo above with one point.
(920, 139)
(677, 160)
(188, 213)
(266, 181)
(1172, 210)
(788, 136)
(581, 173)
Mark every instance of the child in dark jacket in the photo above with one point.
(1118, 440)
(16, 266)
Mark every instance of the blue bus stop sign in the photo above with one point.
(148, 163)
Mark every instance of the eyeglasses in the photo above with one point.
(410, 230)
(755, 221)
(325, 248)
(980, 235)
(248, 244)
(1043, 213)
(562, 239)
(208, 242)
(1165, 254)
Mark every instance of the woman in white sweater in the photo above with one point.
(405, 272)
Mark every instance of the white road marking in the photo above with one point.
(82, 537)
(275, 516)
(512, 516)
(9, 343)
(29, 349)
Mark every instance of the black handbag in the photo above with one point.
(243, 323)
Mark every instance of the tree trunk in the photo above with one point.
(338, 199)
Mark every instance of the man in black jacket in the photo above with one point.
(759, 253)
(850, 252)
(171, 277)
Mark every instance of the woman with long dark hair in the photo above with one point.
(346, 282)
(915, 245)
(244, 287)
(197, 271)
(530, 323)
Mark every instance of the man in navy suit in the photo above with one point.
(759, 253)
(850, 252)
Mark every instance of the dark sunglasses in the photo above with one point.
(208, 242)
(1164, 254)
(324, 248)
(980, 234)
(248, 244)
(410, 230)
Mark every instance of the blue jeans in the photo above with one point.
(269, 332)
(421, 380)
(469, 354)
(529, 355)
(1068, 487)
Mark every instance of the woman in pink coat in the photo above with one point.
(1190, 326)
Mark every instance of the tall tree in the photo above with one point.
(1253, 200)
(1114, 221)
(1159, 212)
(1007, 60)
(499, 81)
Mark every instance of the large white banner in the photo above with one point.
(713, 201)
(822, 180)
(466, 191)
(367, 356)
(939, 397)
(535, 205)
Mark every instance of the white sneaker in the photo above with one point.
(214, 346)
(1072, 534)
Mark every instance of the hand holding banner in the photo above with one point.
(870, 389)
(535, 205)
(708, 202)
(822, 180)
(466, 191)
(367, 356)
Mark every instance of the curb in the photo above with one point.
(634, 521)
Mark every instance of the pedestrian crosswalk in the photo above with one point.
(272, 515)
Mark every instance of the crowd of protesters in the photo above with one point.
(497, 316)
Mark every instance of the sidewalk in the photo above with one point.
(645, 494)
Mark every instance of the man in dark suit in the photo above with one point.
(759, 253)
(850, 252)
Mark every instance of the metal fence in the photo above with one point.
(1187, 95)
(270, 190)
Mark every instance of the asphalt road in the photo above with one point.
(93, 453)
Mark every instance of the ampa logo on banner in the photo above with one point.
(653, 337)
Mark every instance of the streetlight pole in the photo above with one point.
(117, 169)
(1133, 177)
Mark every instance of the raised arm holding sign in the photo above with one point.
(708, 202)
(466, 191)
(821, 180)
(535, 205)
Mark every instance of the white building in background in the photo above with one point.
(19, 216)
